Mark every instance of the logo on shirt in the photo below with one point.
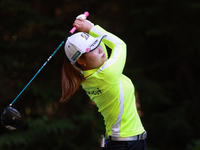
(96, 92)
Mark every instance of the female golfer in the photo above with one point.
(88, 65)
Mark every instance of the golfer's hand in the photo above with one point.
(83, 25)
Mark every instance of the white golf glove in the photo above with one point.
(83, 17)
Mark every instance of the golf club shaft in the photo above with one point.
(61, 44)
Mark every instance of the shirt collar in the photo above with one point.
(88, 73)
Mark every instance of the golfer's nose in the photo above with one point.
(100, 51)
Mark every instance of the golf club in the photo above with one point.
(10, 117)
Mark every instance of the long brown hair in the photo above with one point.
(71, 80)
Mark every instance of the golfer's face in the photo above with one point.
(95, 58)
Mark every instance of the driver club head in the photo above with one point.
(10, 118)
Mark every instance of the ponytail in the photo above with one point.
(71, 80)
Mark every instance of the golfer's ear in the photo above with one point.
(81, 61)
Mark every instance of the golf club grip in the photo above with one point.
(74, 28)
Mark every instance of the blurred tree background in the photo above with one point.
(163, 61)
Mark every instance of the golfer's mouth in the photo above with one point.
(103, 55)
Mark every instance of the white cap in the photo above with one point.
(80, 43)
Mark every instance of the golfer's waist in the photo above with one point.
(131, 138)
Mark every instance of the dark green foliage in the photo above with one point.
(163, 61)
